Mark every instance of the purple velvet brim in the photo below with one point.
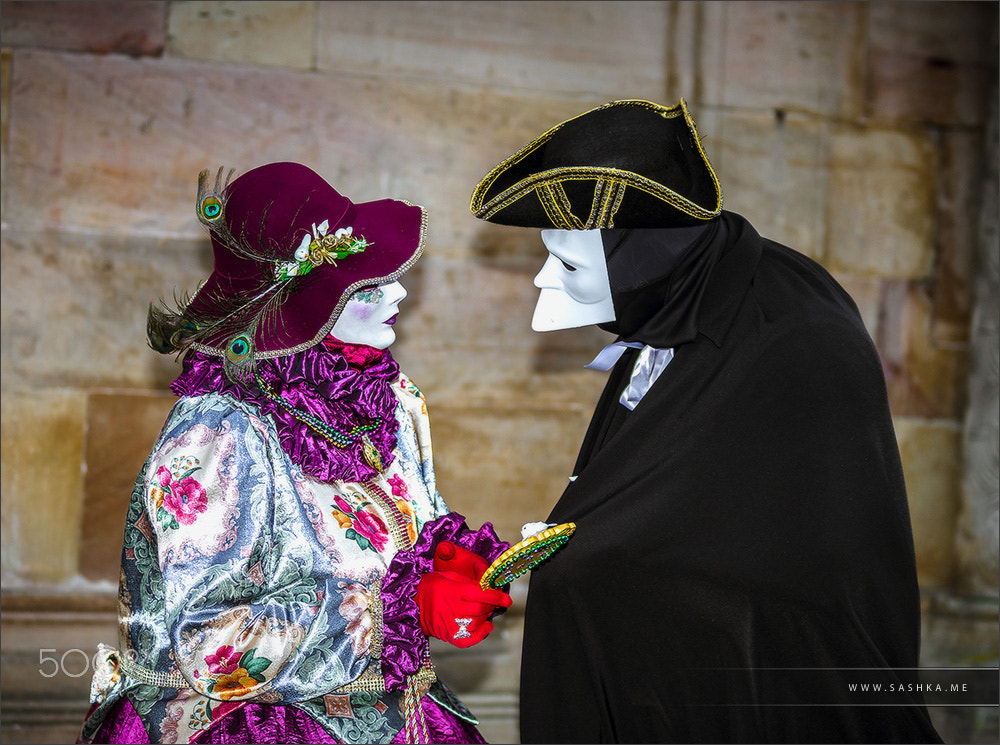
(404, 642)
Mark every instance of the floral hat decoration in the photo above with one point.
(289, 252)
(624, 164)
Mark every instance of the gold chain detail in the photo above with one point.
(375, 609)
(397, 524)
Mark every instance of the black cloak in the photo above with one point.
(743, 550)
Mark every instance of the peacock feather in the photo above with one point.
(218, 320)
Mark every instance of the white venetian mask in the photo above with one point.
(369, 315)
(574, 285)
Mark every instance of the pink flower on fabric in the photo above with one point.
(342, 505)
(371, 527)
(186, 500)
(163, 476)
(220, 710)
(225, 660)
(399, 487)
(361, 525)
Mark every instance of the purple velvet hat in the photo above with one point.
(289, 252)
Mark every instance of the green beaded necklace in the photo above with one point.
(340, 439)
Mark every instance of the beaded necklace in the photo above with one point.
(340, 439)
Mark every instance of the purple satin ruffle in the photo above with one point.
(122, 725)
(322, 382)
(268, 723)
(404, 642)
(264, 723)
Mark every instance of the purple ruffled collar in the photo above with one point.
(342, 385)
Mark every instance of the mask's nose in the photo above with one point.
(548, 276)
(395, 292)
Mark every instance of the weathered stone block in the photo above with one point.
(534, 376)
(273, 34)
(504, 465)
(6, 64)
(122, 150)
(959, 199)
(42, 481)
(930, 452)
(101, 27)
(930, 62)
(881, 203)
(617, 50)
(74, 311)
(6, 59)
(113, 144)
(773, 171)
(780, 55)
(923, 379)
(121, 430)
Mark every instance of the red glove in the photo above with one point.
(454, 608)
(449, 557)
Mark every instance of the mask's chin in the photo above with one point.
(556, 310)
(378, 338)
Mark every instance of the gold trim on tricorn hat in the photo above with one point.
(625, 164)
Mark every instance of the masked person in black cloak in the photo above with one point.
(743, 550)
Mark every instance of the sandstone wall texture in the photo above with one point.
(863, 134)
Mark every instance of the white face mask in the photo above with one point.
(368, 316)
(574, 285)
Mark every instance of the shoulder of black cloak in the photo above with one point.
(719, 302)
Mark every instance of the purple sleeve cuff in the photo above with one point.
(403, 641)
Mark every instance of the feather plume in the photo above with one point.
(233, 319)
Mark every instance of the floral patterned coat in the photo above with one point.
(244, 579)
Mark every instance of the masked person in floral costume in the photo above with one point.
(286, 551)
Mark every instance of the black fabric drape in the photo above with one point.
(742, 535)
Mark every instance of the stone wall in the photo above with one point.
(854, 132)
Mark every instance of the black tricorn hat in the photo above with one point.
(625, 164)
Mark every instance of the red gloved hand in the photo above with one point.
(449, 557)
(454, 608)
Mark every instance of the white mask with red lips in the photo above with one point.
(369, 315)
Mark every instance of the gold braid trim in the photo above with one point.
(371, 679)
(150, 677)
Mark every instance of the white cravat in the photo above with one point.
(646, 370)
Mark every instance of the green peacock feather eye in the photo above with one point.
(211, 207)
(238, 349)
